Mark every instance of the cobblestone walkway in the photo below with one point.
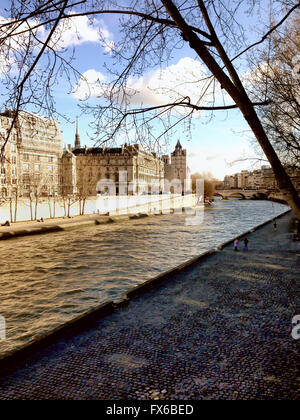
(221, 331)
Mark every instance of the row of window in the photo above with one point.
(36, 167)
(4, 181)
(3, 170)
(37, 158)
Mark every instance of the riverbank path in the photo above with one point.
(220, 330)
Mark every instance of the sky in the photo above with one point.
(212, 147)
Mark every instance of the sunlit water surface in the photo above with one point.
(48, 280)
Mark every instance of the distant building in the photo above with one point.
(68, 173)
(93, 164)
(177, 168)
(84, 167)
(263, 178)
(35, 164)
(32, 155)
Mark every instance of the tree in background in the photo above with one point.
(277, 77)
(209, 183)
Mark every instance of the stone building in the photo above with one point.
(230, 182)
(177, 168)
(83, 168)
(32, 156)
(68, 176)
(263, 178)
(35, 164)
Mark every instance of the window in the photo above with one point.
(14, 181)
(50, 159)
(13, 148)
(36, 158)
(25, 167)
(2, 170)
(13, 160)
(36, 167)
(25, 156)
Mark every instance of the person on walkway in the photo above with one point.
(275, 225)
(246, 241)
(236, 245)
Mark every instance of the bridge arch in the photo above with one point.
(237, 195)
(218, 194)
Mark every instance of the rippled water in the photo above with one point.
(48, 280)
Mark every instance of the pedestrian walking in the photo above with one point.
(236, 245)
(246, 241)
(275, 226)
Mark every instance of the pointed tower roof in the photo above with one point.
(178, 145)
(77, 136)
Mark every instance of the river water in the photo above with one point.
(47, 280)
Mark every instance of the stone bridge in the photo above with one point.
(243, 194)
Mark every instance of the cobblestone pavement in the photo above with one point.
(220, 331)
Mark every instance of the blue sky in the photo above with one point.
(212, 145)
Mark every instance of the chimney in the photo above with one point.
(77, 136)
(69, 147)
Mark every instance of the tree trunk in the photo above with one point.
(288, 190)
(31, 212)
(10, 210)
(16, 207)
(235, 89)
(35, 208)
(49, 204)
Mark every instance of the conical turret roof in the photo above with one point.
(178, 145)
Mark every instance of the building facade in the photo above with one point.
(177, 167)
(35, 164)
(31, 160)
(139, 171)
(126, 169)
(263, 178)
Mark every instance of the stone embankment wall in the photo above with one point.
(101, 205)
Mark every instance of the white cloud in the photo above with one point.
(91, 85)
(173, 83)
(81, 29)
(71, 32)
